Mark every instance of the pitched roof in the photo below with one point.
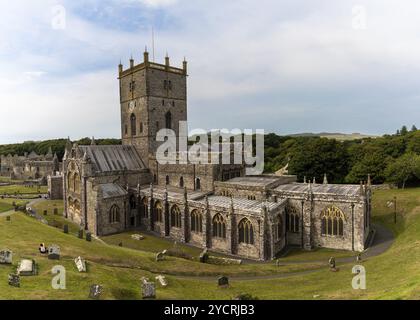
(110, 158)
(331, 189)
(112, 190)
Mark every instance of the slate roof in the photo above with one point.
(253, 181)
(114, 158)
(328, 189)
(112, 190)
(242, 203)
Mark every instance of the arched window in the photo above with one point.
(144, 208)
(168, 120)
(70, 181)
(133, 202)
(70, 205)
(181, 182)
(278, 228)
(114, 214)
(332, 222)
(246, 232)
(133, 124)
(158, 217)
(292, 220)
(167, 180)
(175, 217)
(196, 221)
(219, 226)
(76, 207)
(76, 187)
(198, 184)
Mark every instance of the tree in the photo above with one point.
(413, 128)
(404, 130)
(403, 169)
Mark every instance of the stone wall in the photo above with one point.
(55, 187)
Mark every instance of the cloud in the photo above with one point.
(286, 66)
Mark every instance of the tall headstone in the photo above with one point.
(88, 236)
(223, 282)
(66, 228)
(80, 234)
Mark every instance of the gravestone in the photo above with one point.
(55, 211)
(161, 255)
(120, 244)
(80, 264)
(26, 267)
(332, 264)
(6, 257)
(80, 234)
(359, 257)
(54, 252)
(88, 236)
(162, 280)
(95, 291)
(204, 256)
(148, 289)
(137, 237)
(14, 280)
(8, 218)
(223, 282)
(66, 228)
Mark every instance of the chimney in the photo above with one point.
(146, 56)
(167, 61)
(131, 62)
(184, 65)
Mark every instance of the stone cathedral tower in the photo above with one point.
(153, 96)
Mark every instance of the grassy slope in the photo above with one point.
(6, 204)
(395, 274)
(20, 189)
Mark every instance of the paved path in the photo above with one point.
(383, 240)
(31, 203)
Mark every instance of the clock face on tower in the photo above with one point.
(131, 106)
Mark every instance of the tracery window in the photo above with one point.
(292, 220)
(144, 208)
(219, 226)
(246, 232)
(196, 221)
(332, 221)
(175, 217)
(133, 120)
(158, 212)
(114, 214)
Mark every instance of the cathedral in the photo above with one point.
(115, 188)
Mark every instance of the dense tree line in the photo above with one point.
(391, 158)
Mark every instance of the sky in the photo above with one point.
(285, 66)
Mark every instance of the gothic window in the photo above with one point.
(114, 214)
(167, 180)
(132, 86)
(141, 127)
(154, 178)
(76, 187)
(157, 125)
(126, 129)
(163, 103)
(173, 103)
(133, 124)
(170, 85)
(70, 182)
(279, 228)
(219, 227)
(332, 221)
(144, 208)
(133, 202)
(165, 84)
(158, 212)
(292, 220)
(168, 120)
(175, 217)
(76, 206)
(246, 232)
(181, 182)
(196, 221)
(198, 184)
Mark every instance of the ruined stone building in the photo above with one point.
(29, 166)
(111, 189)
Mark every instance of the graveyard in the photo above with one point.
(120, 266)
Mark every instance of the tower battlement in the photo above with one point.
(146, 63)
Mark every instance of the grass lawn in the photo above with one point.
(393, 275)
(22, 190)
(7, 204)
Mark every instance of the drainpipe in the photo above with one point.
(352, 226)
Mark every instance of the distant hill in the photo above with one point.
(335, 135)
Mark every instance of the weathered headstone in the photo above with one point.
(6, 257)
(162, 280)
(204, 256)
(66, 228)
(160, 256)
(95, 291)
(120, 244)
(332, 264)
(26, 267)
(80, 234)
(80, 264)
(359, 257)
(88, 236)
(137, 237)
(54, 252)
(14, 280)
(148, 289)
(8, 218)
(223, 282)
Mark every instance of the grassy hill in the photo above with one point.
(393, 275)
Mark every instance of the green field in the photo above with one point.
(394, 274)
(22, 190)
(7, 204)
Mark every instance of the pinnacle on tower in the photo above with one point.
(325, 179)
(93, 142)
